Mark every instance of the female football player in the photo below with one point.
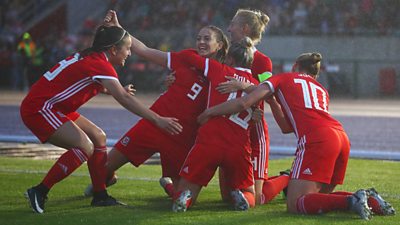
(323, 146)
(49, 109)
(252, 23)
(184, 100)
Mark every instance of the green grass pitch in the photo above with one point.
(148, 204)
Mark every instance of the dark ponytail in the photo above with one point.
(309, 63)
(105, 38)
(242, 52)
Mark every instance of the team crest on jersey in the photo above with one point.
(125, 141)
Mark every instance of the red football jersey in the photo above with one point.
(185, 99)
(261, 69)
(304, 101)
(234, 128)
(69, 84)
(261, 64)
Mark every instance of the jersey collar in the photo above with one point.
(254, 49)
(243, 69)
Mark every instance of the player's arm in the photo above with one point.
(150, 54)
(138, 47)
(264, 67)
(233, 85)
(236, 105)
(128, 88)
(131, 103)
(279, 116)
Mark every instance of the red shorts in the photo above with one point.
(203, 160)
(322, 156)
(44, 124)
(144, 139)
(259, 149)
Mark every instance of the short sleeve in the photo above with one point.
(261, 67)
(273, 82)
(176, 59)
(103, 70)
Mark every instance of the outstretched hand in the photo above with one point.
(111, 19)
(130, 89)
(231, 85)
(169, 79)
(170, 125)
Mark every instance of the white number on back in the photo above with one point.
(51, 74)
(195, 91)
(244, 123)
(314, 93)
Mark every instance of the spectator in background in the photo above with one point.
(27, 50)
(38, 65)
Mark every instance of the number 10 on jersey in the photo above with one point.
(317, 93)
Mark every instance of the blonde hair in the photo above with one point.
(256, 20)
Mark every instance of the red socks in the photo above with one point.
(169, 189)
(64, 166)
(372, 202)
(273, 186)
(316, 203)
(97, 168)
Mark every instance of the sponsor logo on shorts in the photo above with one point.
(307, 171)
(125, 141)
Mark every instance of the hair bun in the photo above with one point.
(246, 42)
(316, 57)
(310, 58)
(264, 18)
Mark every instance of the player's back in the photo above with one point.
(229, 129)
(304, 101)
(72, 82)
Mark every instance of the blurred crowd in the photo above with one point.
(24, 58)
(288, 17)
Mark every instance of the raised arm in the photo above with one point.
(138, 47)
(150, 54)
(236, 105)
(132, 104)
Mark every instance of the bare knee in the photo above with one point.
(99, 138)
(87, 147)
